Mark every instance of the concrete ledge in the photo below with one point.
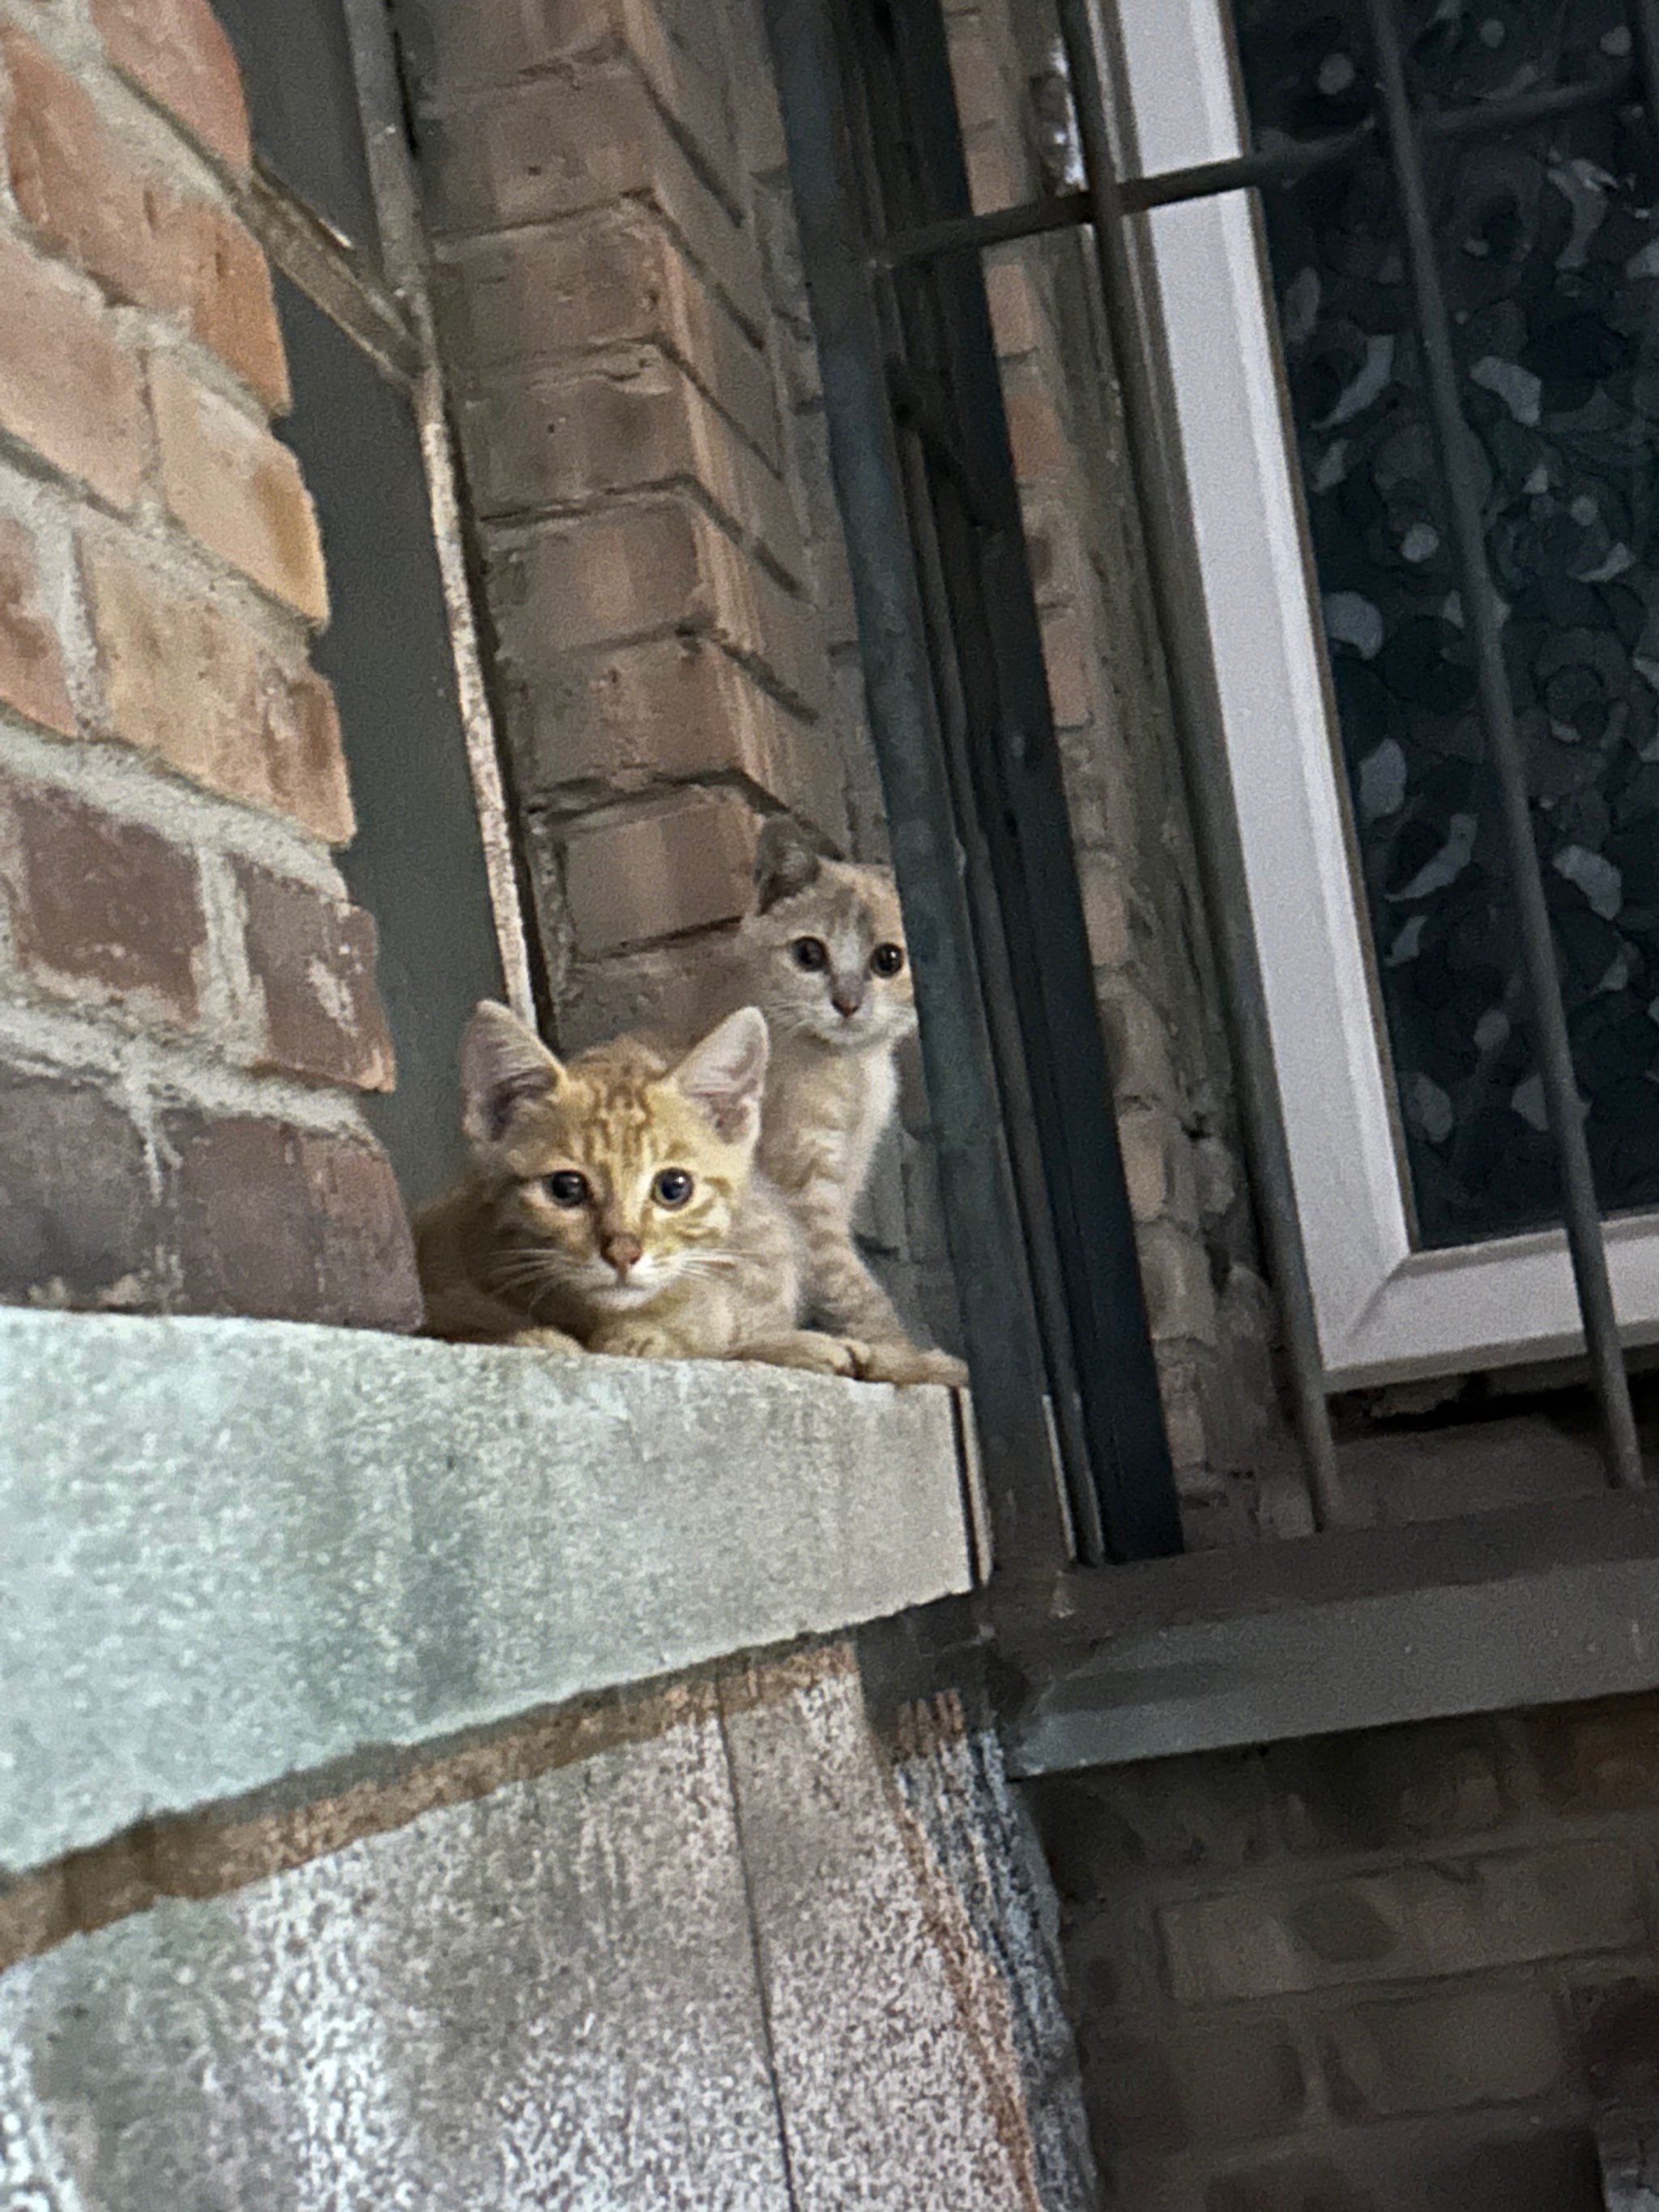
(1360, 1630)
(232, 1550)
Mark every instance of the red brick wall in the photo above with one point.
(611, 339)
(187, 1003)
(1367, 1972)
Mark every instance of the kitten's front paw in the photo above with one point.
(907, 1363)
(813, 1350)
(640, 1340)
(545, 1340)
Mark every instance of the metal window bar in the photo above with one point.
(1041, 1239)
(1105, 205)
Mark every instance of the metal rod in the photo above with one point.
(1455, 442)
(981, 1217)
(1284, 164)
(1645, 15)
(1274, 165)
(1526, 107)
(1031, 219)
(1081, 1233)
(1196, 716)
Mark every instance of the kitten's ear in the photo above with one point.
(504, 1067)
(723, 1076)
(784, 863)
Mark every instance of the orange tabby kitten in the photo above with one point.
(823, 954)
(613, 1206)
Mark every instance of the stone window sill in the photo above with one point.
(236, 1550)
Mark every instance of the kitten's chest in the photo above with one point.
(825, 1118)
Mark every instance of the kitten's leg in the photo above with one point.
(841, 1287)
(546, 1340)
(651, 1340)
(463, 1315)
(810, 1349)
(907, 1363)
(849, 1298)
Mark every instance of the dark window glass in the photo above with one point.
(296, 65)
(1550, 251)
(417, 863)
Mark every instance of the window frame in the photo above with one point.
(382, 304)
(1385, 1309)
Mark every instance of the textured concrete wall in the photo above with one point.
(235, 1551)
(756, 1961)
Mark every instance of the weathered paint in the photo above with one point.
(899, 2071)
(543, 1998)
(235, 1550)
(747, 1965)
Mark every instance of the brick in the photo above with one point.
(1144, 1134)
(634, 571)
(1133, 2093)
(1462, 2045)
(257, 732)
(32, 681)
(1602, 1757)
(247, 1235)
(236, 489)
(648, 989)
(367, 1255)
(1534, 2170)
(494, 49)
(1019, 324)
(1424, 1919)
(1388, 1787)
(1035, 431)
(671, 709)
(547, 296)
(1137, 1042)
(568, 143)
(984, 95)
(312, 959)
(1069, 665)
(1105, 910)
(559, 440)
(67, 388)
(685, 868)
(997, 174)
(77, 1221)
(1240, 2079)
(175, 52)
(1174, 1273)
(101, 903)
(1615, 2038)
(92, 202)
(1168, 1815)
(285, 1223)
(1290, 2184)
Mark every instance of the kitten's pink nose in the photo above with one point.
(621, 1252)
(846, 999)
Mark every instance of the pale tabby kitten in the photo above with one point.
(823, 955)
(613, 1206)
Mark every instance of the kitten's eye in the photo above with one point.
(565, 1189)
(672, 1187)
(887, 960)
(811, 953)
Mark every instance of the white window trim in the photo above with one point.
(1384, 1311)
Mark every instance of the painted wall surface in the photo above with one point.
(751, 1963)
